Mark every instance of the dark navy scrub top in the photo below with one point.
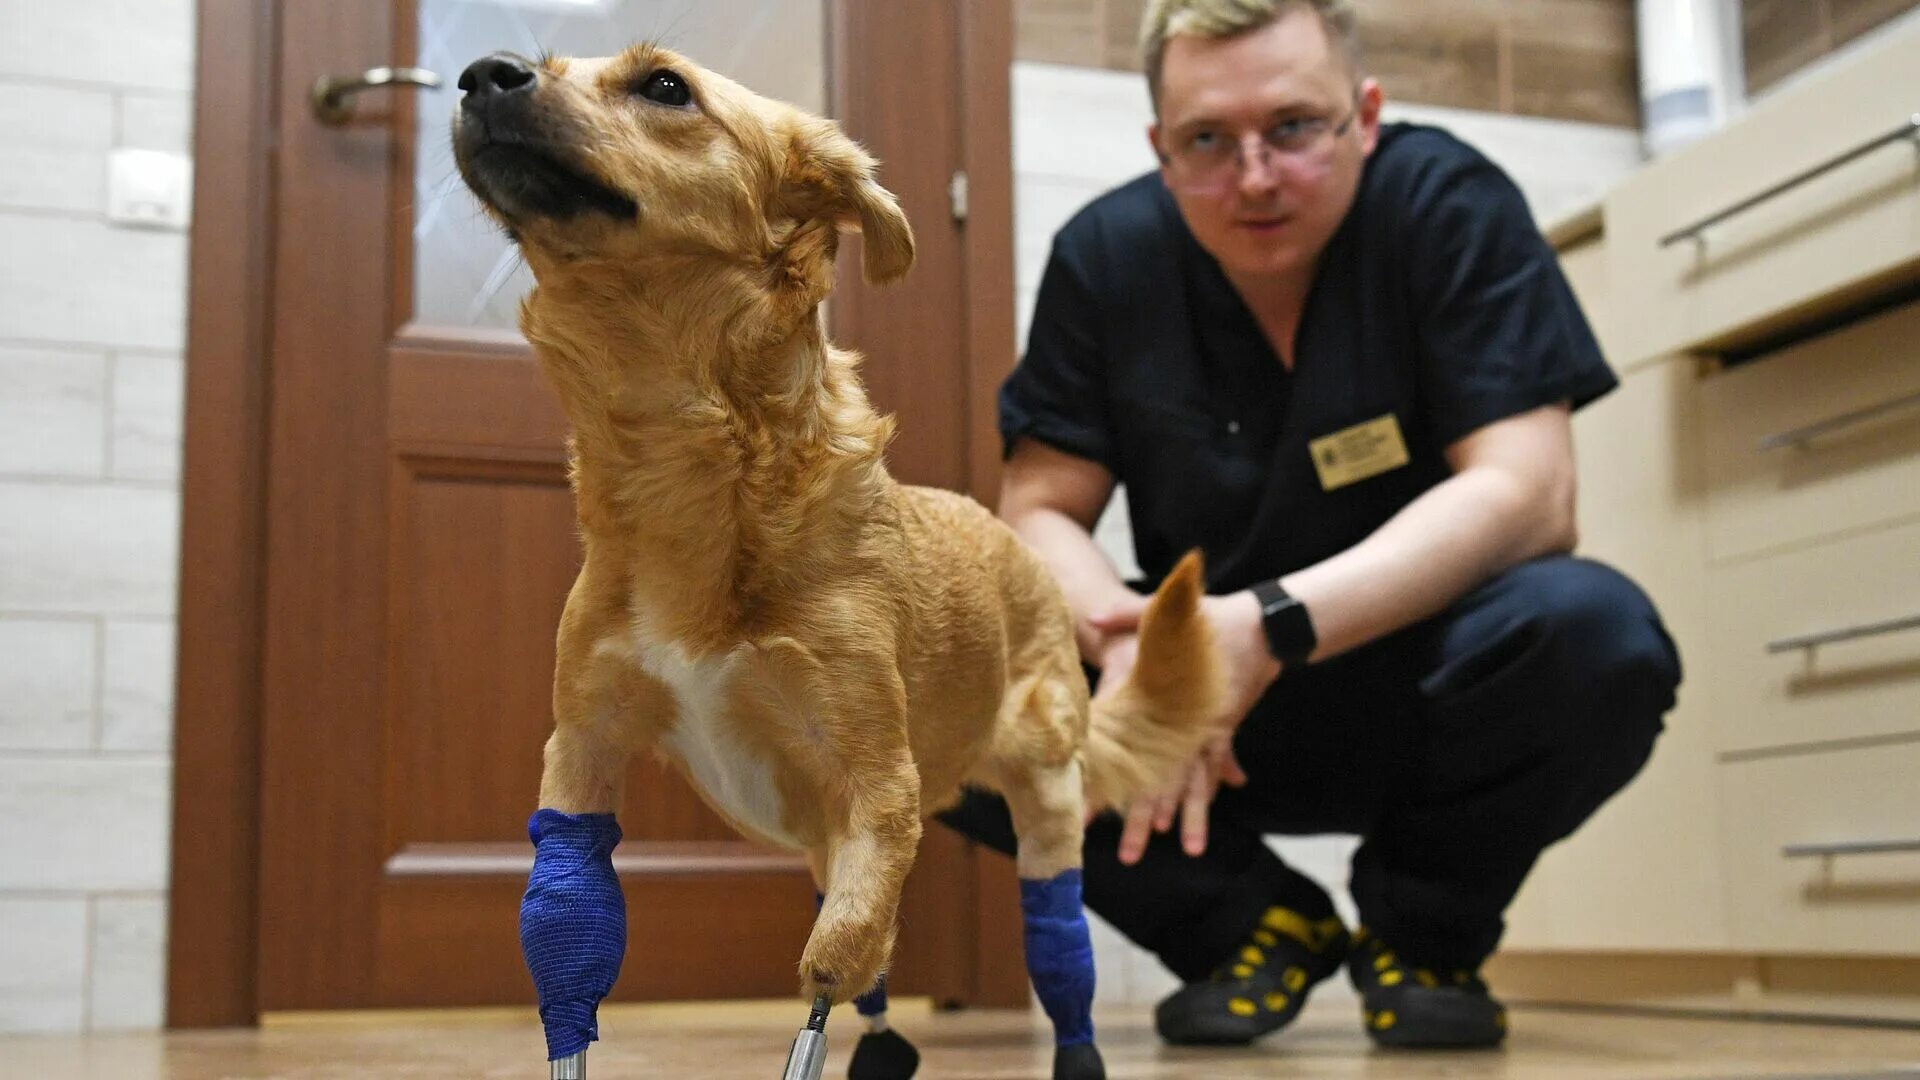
(1437, 301)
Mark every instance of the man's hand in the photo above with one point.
(1249, 669)
(1245, 660)
(1190, 798)
(1110, 637)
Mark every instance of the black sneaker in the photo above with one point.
(1413, 1008)
(1261, 989)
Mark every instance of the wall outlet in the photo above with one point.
(149, 189)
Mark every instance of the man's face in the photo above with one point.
(1261, 139)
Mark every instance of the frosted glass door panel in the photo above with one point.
(465, 273)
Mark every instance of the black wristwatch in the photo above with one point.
(1289, 629)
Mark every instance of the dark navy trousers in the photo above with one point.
(1459, 749)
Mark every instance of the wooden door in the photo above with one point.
(417, 538)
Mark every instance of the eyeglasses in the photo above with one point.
(1212, 158)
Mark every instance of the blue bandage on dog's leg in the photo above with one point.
(873, 1003)
(1060, 955)
(573, 924)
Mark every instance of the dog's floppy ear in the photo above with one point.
(828, 175)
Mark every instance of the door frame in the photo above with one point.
(214, 900)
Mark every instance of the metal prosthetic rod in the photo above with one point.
(571, 1067)
(808, 1059)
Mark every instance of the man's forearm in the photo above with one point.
(1084, 572)
(1476, 524)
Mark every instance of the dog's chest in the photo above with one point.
(732, 776)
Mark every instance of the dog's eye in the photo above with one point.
(666, 88)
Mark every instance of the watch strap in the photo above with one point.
(1288, 626)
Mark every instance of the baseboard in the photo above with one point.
(1870, 990)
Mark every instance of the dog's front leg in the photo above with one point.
(573, 917)
(867, 859)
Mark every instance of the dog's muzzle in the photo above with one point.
(511, 153)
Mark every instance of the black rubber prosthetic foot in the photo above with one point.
(1080, 1062)
(883, 1055)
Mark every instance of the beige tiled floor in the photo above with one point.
(749, 1041)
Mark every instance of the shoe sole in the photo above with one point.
(1435, 1025)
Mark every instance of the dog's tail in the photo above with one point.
(1139, 736)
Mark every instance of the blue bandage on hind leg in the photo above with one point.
(573, 924)
(874, 1001)
(1060, 955)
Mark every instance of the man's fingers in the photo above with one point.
(1124, 615)
(1164, 808)
(1231, 773)
(1193, 814)
(1139, 826)
(1220, 758)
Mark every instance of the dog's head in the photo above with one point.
(645, 155)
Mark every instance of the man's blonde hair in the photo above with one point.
(1168, 19)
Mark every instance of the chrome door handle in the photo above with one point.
(1909, 130)
(1849, 847)
(1802, 436)
(1845, 633)
(332, 94)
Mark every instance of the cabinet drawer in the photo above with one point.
(1847, 903)
(1866, 686)
(1836, 235)
(1816, 440)
(1586, 269)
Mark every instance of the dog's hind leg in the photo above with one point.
(1046, 803)
(882, 1053)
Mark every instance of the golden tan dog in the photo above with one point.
(828, 654)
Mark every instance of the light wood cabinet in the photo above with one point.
(1741, 546)
(1848, 690)
(1816, 441)
(1641, 512)
(1843, 904)
(1817, 246)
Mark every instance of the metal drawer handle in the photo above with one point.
(331, 94)
(1697, 231)
(1800, 436)
(1845, 633)
(1849, 847)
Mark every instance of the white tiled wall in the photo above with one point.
(92, 322)
(1077, 133)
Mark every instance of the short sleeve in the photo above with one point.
(1499, 331)
(1058, 393)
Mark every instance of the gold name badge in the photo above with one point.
(1363, 450)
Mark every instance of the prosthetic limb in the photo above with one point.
(808, 1058)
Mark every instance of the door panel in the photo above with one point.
(481, 565)
(915, 332)
(421, 540)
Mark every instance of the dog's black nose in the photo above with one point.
(501, 73)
